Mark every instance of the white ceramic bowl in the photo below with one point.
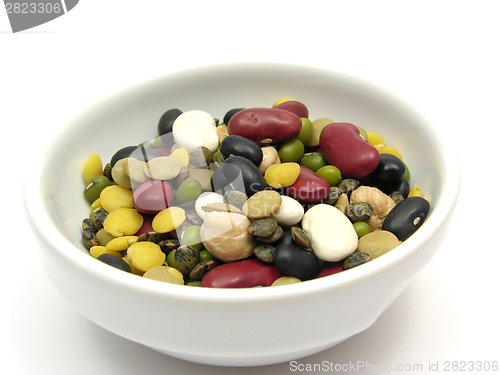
(234, 327)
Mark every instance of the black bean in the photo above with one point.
(230, 114)
(114, 261)
(241, 171)
(137, 152)
(286, 238)
(406, 217)
(241, 146)
(292, 260)
(167, 121)
(389, 169)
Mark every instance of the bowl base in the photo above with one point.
(248, 361)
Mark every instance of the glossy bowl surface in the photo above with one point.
(234, 327)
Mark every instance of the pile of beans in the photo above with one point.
(264, 197)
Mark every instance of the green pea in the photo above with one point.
(306, 131)
(188, 191)
(171, 258)
(291, 151)
(205, 256)
(406, 176)
(313, 161)
(361, 228)
(331, 174)
(218, 157)
(191, 237)
(95, 186)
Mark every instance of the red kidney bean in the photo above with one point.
(164, 151)
(330, 268)
(153, 196)
(265, 125)
(241, 274)
(147, 225)
(343, 147)
(295, 107)
(309, 187)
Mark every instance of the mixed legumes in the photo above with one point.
(266, 197)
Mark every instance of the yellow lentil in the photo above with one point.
(95, 204)
(390, 150)
(374, 138)
(92, 167)
(133, 270)
(286, 280)
(121, 243)
(123, 222)
(145, 255)
(95, 251)
(282, 175)
(166, 274)
(182, 156)
(115, 196)
(280, 102)
(168, 219)
(415, 191)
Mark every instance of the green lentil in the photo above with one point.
(265, 252)
(201, 157)
(301, 237)
(235, 198)
(334, 196)
(347, 185)
(263, 227)
(355, 260)
(275, 236)
(361, 211)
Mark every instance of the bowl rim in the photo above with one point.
(38, 216)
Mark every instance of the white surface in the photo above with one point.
(441, 56)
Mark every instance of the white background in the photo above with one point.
(443, 56)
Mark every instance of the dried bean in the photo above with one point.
(99, 218)
(263, 227)
(355, 260)
(301, 237)
(201, 269)
(275, 236)
(265, 252)
(186, 258)
(361, 211)
(348, 185)
(89, 238)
